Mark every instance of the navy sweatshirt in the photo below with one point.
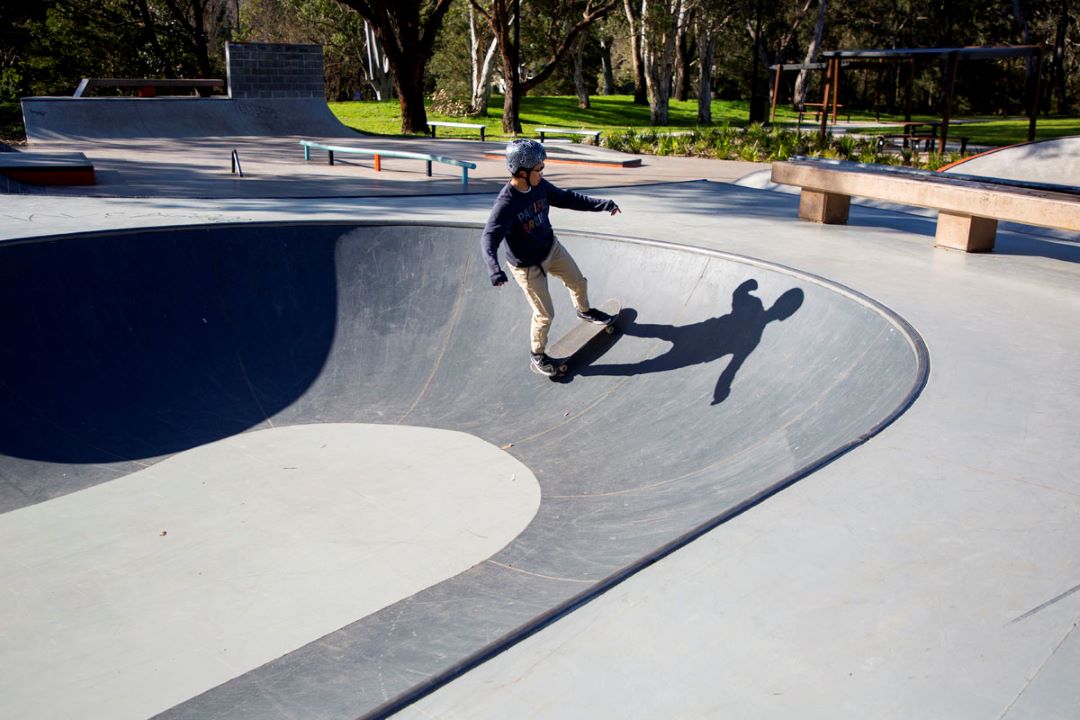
(521, 218)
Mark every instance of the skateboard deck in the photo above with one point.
(563, 350)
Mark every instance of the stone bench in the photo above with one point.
(432, 124)
(594, 134)
(969, 207)
(465, 165)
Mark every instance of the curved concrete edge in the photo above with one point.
(274, 537)
(1055, 161)
(922, 355)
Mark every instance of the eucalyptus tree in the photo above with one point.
(406, 30)
(812, 50)
(660, 20)
(711, 19)
(634, 20)
(560, 24)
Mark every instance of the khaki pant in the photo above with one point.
(534, 283)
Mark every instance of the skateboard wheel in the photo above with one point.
(609, 329)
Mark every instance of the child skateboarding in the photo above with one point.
(520, 217)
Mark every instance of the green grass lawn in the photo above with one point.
(618, 112)
(608, 112)
(996, 132)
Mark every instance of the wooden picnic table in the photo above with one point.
(913, 126)
(926, 131)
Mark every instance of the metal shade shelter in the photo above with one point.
(834, 60)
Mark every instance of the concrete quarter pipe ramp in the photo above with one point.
(225, 346)
(63, 119)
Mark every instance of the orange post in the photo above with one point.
(378, 163)
(775, 92)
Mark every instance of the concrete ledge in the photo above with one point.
(968, 209)
(48, 168)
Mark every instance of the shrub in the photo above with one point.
(443, 103)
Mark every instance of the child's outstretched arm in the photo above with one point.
(494, 232)
(576, 201)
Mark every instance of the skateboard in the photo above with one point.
(563, 350)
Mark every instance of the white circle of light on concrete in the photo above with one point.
(129, 597)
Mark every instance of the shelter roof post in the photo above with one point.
(909, 88)
(836, 88)
(950, 88)
(825, 99)
(1035, 90)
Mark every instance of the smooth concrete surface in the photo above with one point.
(255, 325)
(931, 571)
(133, 595)
(274, 167)
(1055, 161)
(187, 147)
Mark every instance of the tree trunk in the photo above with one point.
(640, 90)
(579, 74)
(194, 31)
(481, 69)
(1025, 36)
(411, 99)
(150, 33)
(757, 108)
(706, 43)
(1059, 59)
(378, 66)
(499, 19)
(407, 36)
(684, 56)
(801, 85)
(202, 42)
(511, 121)
(605, 61)
(659, 18)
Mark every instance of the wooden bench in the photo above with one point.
(594, 134)
(148, 87)
(969, 207)
(472, 126)
(465, 165)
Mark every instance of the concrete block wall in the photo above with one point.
(272, 70)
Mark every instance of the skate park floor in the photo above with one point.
(927, 569)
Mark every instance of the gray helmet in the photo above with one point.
(524, 154)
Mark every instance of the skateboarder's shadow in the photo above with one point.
(737, 334)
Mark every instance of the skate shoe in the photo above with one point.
(597, 317)
(544, 365)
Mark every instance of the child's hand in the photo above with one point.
(615, 209)
(498, 278)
